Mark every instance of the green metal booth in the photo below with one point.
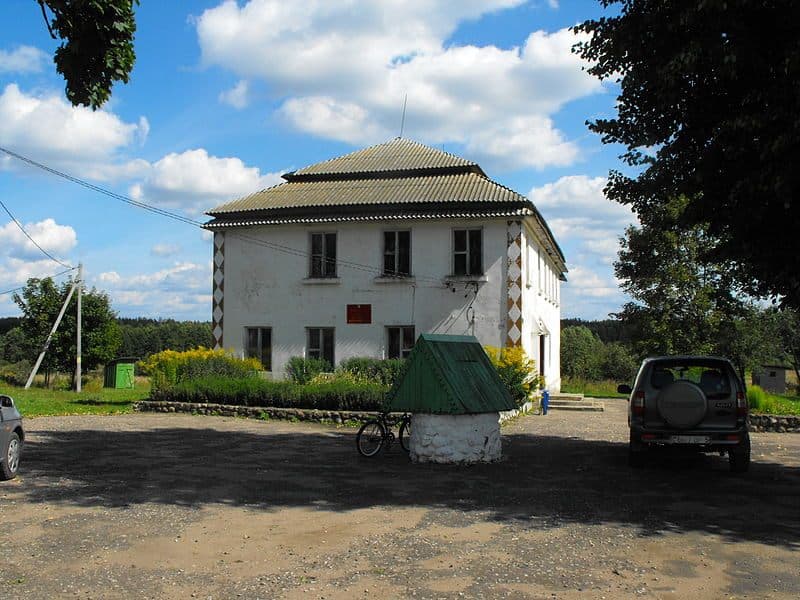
(119, 373)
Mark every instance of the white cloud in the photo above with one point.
(56, 239)
(237, 96)
(344, 69)
(23, 59)
(179, 291)
(195, 182)
(85, 142)
(165, 250)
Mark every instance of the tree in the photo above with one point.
(788, 335)
(709, 110)
(679, 301)
(40, 302)
(97, 45)
(581, 353)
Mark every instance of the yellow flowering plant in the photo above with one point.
(516, 370)
(169, 367)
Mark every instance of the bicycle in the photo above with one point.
(377, 433)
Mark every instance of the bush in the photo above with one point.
(252, 391)
(581, 353)
(383, 371)
(16, 373)
(516, 370)
(302, 370)
(168, 368)
(618, 363)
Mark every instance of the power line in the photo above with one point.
(178, 217)
(22, 287)
(33, 241)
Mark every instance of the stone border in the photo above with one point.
(288, 414)
(775, 423)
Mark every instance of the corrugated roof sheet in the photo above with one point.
(398, 154)
(449, 374)
(461, 187)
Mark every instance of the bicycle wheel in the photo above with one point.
(405, 433)
(369, 440)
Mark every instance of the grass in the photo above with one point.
(39, 402)
(606, 388)
(763, 402)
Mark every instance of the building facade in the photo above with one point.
(358, 255)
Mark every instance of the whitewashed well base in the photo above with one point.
(455, 438)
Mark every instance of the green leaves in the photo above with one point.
(97, 46)
(712, 87)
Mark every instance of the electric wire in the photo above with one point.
(22, 287)
(178, 217)
(33, 241)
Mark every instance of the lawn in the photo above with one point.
(37, 402)
(591, 389)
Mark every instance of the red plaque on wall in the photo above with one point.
(359, 313)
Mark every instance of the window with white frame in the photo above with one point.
(400, 341)
(323, 255)
(468, 251)
(258, 345)
(397, 253)
(319, 344)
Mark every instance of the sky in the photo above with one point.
(225, 96)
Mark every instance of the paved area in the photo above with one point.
(176, 506)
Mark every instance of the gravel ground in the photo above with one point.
(178, 506)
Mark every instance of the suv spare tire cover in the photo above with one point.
(682, 404)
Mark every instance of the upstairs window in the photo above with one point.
(258, 344)
(467, 252)
(323, 255)
(397, 253)
(320, 344)
(400, 341)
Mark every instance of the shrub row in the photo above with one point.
(169, 368)
(252, 391)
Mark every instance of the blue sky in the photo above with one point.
(225, 96)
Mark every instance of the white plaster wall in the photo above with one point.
(266, 287)
(455, 438)
(541, 302)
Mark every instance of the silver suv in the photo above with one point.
(694, 402)
(11, 438)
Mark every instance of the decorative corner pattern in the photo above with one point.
(514, 284)
(218, 290)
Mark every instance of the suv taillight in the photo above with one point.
(741, 405)
(637, 404)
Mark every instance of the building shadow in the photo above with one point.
(542, 482)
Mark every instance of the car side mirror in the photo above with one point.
(624, 389)
(6, 402)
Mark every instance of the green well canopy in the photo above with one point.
(449, 375)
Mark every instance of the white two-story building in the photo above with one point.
(358, 255)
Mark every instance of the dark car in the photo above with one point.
(688, 402)
(11, 438)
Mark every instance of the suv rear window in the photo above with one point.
(714, 378)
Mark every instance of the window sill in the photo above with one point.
(466, 278)
(407, 279)
(321, 281)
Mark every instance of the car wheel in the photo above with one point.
(739, 458)
(636, 453)
(11, 452)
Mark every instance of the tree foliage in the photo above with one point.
(96, 48)
(40, 302)
(709, 110)
(680, 301)
(143, 337)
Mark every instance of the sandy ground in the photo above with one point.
(176, 506)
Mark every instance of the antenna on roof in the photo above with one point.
(403, 118)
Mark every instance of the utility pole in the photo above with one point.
(50, 337)
(78, 346)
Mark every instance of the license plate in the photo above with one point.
(689, 439)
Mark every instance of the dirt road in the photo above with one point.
(176, 506)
